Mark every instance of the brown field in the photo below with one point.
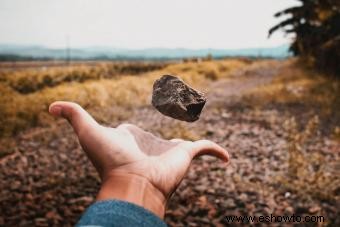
(279, 120)
(27, 92)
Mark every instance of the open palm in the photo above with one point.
(131, 150)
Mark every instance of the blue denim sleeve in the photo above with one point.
(118, 214)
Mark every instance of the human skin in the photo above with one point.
(134, 165)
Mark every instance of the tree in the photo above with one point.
(316, 25)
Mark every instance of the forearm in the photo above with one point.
(134, 189)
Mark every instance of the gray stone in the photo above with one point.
(173, 98)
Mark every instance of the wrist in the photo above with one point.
(134, 189)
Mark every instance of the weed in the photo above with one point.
(309, 172)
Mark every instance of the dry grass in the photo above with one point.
(34, 79)
(310, 173)
(212, 70)
(297, 91)
(91, 90)
(301, 89)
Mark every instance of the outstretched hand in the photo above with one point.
(134, 165)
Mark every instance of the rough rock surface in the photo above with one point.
(173, 98)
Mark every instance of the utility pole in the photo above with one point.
(68, 51)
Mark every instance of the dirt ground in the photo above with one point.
(48, 181)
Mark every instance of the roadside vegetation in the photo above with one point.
(310, 102)
(302, 92)
(26, 94)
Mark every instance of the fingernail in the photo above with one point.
(55, 110)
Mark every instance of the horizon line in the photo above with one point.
(143, 48)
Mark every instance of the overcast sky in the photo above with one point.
(138, 24)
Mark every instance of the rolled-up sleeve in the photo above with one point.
(118, 214)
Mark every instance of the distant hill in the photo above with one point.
(40, 52)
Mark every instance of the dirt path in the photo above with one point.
(49, 181)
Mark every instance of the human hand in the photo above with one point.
(134, 165)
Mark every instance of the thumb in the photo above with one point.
(207, 147)
(179, 158)
(74, 113)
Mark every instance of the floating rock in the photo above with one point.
(173, 98)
